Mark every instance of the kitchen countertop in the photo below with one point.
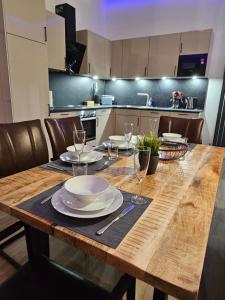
(56, 109)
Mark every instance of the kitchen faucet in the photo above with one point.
(148, 98)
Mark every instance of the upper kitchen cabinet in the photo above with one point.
(195, 42)
(116, 58)
(163, 55)
(135, 57)
(96, 55)
(56, 41)
(28, 78)
(107, 58)
(26, 18)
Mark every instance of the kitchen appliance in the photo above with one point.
(192, 65)
(89, 102)
(88, 119)
(74, 51)
(191, 102)
(107, 99)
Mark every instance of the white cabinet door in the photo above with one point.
(56, 41)
(28, 72)
(26, 18)
(105, 125)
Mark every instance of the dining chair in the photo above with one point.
(22, 146)
(60, 131)
(46, 280)
(190, 128)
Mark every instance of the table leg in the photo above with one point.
(158, 295)
(37, 243)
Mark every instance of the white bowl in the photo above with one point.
(87, 187)
(173, 137)
(120, 141)
(87, 148)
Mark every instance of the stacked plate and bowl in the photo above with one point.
(87, 196)
(87, 157)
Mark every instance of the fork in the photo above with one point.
(46, 199)
(104, 166)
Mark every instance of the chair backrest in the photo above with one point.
(22, 146)
(60, 133)
(190, 128)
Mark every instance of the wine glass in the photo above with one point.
(141, 163)
(128, 132)
(79, 137)
(153, 125)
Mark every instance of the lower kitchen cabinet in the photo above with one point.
(127, 116)
(105, 124)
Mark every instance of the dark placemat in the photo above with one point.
(191, 146)
(91, 170)
(88, 227)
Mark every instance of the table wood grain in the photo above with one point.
(166, 247)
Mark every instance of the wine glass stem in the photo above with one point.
(140, 188)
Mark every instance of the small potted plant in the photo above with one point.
(154, 143)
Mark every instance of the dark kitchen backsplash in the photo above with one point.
(72, 90)
(125, 91)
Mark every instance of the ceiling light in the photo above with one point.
(114, 79)
(137, 78)
(194, 77)
(164, 78)
(95, 77)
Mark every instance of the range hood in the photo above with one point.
(74, 51)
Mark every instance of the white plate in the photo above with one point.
(60, 207)
(171, 135)
(86, 158)
(86, 149)
(101, 202)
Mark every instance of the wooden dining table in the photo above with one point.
(166, 246)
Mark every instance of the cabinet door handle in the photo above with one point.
(89, 68)
(145, 74)
(181, 47)
(110, 72)
(64, 114)
(97, 122)
(175, 71)
(138, 122)
(45, 34)
(65, 62)
(183, 114)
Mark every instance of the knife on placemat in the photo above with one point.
(122, 214)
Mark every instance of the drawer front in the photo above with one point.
(184, 115)
(149, 113)
(64, 114)
(103, 112)
(128, 112)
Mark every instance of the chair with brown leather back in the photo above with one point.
(60, 131)
(22, 146)
(190, 128)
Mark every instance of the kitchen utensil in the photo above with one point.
(122, 214)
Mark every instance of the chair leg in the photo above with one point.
(10, 260)
(131, 290)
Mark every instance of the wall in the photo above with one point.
(134, 18)
(125, 91)
(72, 90)
(89, 13)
